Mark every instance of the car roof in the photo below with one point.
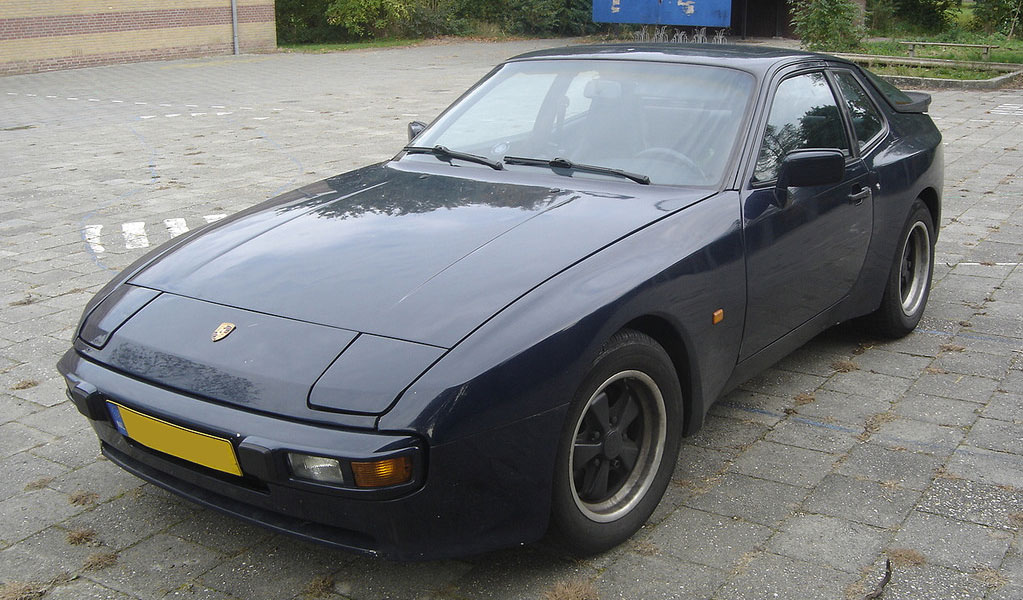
(747, 57)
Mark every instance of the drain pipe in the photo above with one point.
(234, 23)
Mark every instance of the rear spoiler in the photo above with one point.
(920, 103)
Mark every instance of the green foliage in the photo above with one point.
(370, 17)
(305, 21)
(431, 18)
(998, 15)
(827, 24)
(930, 15)
(880, 15)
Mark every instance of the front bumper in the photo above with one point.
(480, 493)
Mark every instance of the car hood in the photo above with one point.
(420, 256)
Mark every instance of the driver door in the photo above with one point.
(804, 246)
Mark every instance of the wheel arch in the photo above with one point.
(929, 196)
(668, 336)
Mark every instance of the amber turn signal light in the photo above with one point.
(719, 315)
(382, 473)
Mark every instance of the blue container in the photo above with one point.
(698, 13)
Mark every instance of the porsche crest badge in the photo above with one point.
(222, 332)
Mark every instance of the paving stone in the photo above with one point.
(996, 435)
(973, 362)
(75, 450)
(745, 405)
(83, 589)
(133, 517)
(784, 464)
(15, 437)
(954, 544)
(965, 500)
(931, 582)
(209, 528)
(23, 468)
(278, 568)
(727, 434)
(60, 420)
(840, 544)
(656, 578)
(368, 579)
(29, 512)
(865, 383)
(756, 500)
(861, 501)
(986, 466)
(44, 556)
(1005, 407)
(786, 384)
(886, 465)
(518, 574)
(920, 436)
(897, 364)
(847, 410)
(954, 385)
(814, 435)
(12, 409)
(707, 539)
(938, 410)
(102, 478)
(784, 578)
(156, 566)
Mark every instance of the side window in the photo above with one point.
(866, 120)
(804, 114)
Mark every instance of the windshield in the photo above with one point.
(674, 123)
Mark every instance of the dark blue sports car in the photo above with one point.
(510, 326)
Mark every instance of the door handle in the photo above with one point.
(857, 198)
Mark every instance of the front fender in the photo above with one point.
(529, 358)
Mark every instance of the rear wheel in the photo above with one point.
(909, 282)
(618, 446)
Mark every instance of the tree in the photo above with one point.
(827, 24)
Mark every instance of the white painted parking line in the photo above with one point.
(213, 218)
(135, 235)
(93, 235)
(175, 226)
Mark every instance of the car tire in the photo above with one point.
(627, 410)
(909, 282)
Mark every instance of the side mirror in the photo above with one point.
(414, 129)
(807, 168)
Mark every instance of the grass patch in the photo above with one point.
(320, 586)
(905, 557)
(845, 366)
(81, 537)
(343, 47)
(38, 484)
(572, 590)
(83, 498)
(1007, 51)
(99, 560)
(936, 72)
(25, 384)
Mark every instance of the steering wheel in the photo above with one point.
(670, 155)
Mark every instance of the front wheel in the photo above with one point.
(909, 282)
(618, 446)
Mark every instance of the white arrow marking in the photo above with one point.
(175, 226)
(135, 235)
(93, 235)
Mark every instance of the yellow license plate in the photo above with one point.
(193, 446)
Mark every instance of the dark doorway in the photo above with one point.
(761, 18)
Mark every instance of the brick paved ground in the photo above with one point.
(800, 486)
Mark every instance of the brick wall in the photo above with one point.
(64, 34)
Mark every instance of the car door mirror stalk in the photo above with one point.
(414, 129)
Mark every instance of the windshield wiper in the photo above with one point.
(564, 163)
(445, 152)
